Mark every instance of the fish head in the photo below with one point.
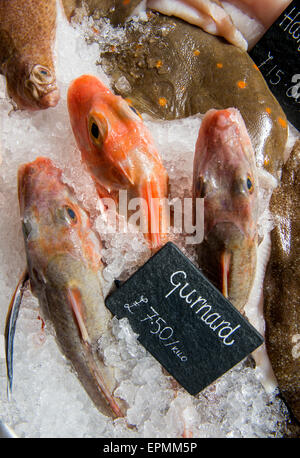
(108, 131)
(53, 222)
(32, 87)
(115, 144)
(225, 176)
(225, 173)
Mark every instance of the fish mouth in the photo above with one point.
(49, 100)
(225, 240)
(40, 88)
(226, 231)
(36, 98)
(40, 164)
(226, 225)
(34, 178)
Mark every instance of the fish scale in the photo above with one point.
(27, 35)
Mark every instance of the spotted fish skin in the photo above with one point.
(281, 285)
(115, 10)
(27, 34)
(175, 70)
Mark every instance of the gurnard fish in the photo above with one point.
(225, 175)
(64, 268)
(118, 149)
(27, 33)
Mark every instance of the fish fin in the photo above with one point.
(74, 297)
(157, 230)
(198, 193)
(126, 170)
(103, 388)
(225, 264)
(76, 304)
(10, 327)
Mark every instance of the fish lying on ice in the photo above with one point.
(174, 70)
(281, 287)
(64, 268)
(27, 33)
(225, 175)
(210, 15)
(118, 149)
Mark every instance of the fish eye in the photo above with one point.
(27, 228)
(200, 187)
(132, 108)
(41, 75)
(69, 215)
(249, 184)
(97, 130)
(135, 110)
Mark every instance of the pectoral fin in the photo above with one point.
(225, 266)
(152, 192)
(76, 304)
(10, 325)
(103, 388)
(91, 360)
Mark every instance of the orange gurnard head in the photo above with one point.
(116, 146)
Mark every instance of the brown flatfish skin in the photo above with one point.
(27, 34)
(282, 288)
(118, 11)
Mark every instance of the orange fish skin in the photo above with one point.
(117, 147)
(65, 272)
(27, 34)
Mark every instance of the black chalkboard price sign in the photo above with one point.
(277, 56)
(183, 320)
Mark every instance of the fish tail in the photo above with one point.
(10, 327)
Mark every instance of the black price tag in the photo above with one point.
(277, 57)
(183, 320)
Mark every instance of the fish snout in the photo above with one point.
(50, 100)
(222, 119)
(40, 90)
(31, 168)
(33, 180)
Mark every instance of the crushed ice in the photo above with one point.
(46, 392)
